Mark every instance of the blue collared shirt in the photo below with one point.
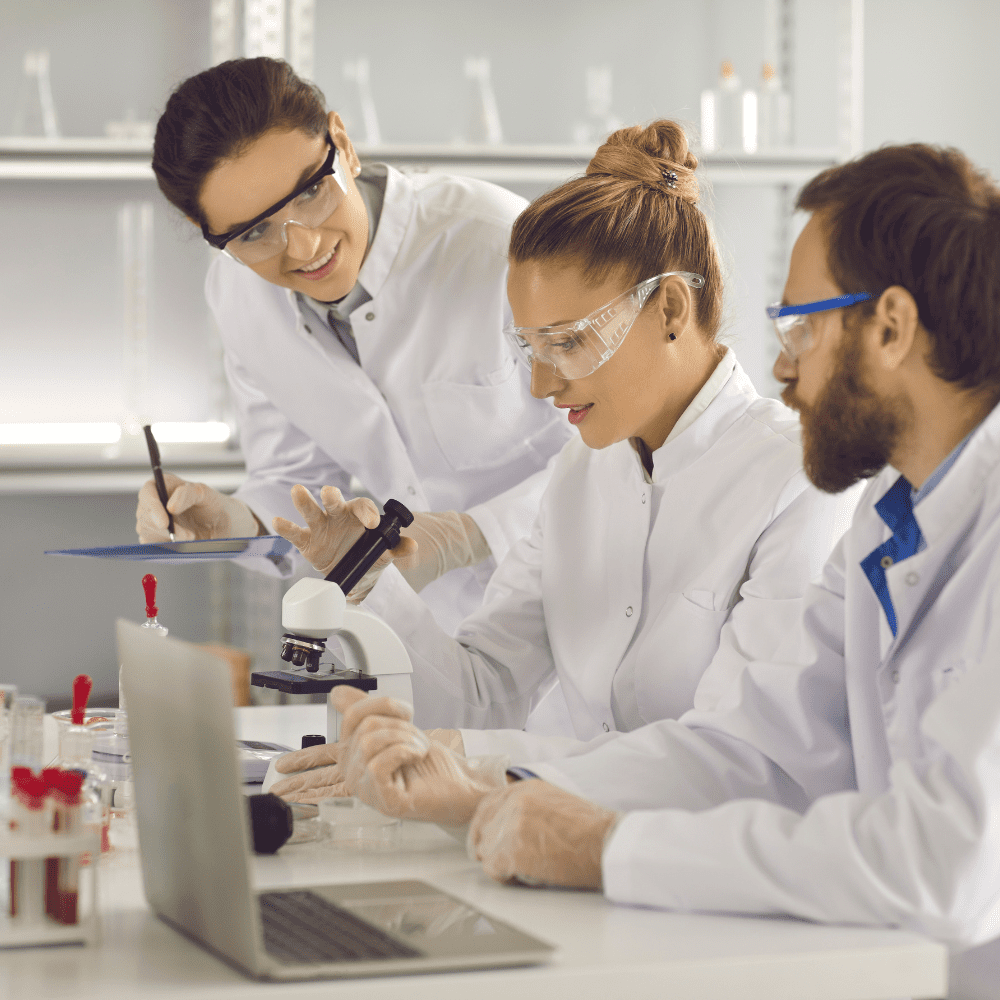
(896, 509)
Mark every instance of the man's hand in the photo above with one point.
(535, 833)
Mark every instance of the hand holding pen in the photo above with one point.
(193, 510)
(161, 486)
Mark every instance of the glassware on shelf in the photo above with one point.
(130, 128)
(600, 122)
(36, 111)
(728, 115)
(774, 112)
(358, 72)
(484, 116)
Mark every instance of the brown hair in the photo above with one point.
(633, 213)
(925, 219)
(215, 115)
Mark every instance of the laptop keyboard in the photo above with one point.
(303, 928)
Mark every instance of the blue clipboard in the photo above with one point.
(272, 547)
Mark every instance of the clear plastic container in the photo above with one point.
(348, 822)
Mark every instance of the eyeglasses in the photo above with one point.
(575, 350)
(793, 326)
(309, 205)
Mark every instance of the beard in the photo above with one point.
(849, 433)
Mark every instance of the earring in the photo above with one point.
(672, 337)
(356, 171)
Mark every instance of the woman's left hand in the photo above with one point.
(331, 530)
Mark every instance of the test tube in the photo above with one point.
(68, 799)
(27, 875)
(26, 732)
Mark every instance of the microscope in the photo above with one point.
(312, 610)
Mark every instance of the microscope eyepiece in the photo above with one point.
(365, 551)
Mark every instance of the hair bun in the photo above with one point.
(656, 156)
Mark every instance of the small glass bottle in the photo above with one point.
(115, 749)
(774, 112)
(722, 113)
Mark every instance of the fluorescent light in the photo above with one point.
(204, 431)
(60, 433)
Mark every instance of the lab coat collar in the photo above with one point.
(720, 401)
(963, 484)
(397, 211)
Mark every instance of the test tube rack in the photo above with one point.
(20, 848)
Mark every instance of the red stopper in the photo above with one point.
(81, 692)
(149, 586)
(29, 790)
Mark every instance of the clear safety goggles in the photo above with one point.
(309, 205)
(793, 324)
(575, 350)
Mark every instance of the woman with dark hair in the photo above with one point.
(678, 533)
(361, 313)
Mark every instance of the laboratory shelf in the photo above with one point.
(98, 158)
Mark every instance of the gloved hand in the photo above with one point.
(322, 777)
(392, 766)
(332, 529)
(199, 512)
(446, 540)
(538, 834)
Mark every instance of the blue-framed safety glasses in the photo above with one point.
(792, 325)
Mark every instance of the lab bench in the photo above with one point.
(604, 950)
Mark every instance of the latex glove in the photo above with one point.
(446, 540)
(391, 765)
(199, 512)
(320, 764)
(322, 777)
(538, 834)
(331, 530)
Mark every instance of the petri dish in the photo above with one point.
(348, 822)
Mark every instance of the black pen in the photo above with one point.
(161, 486)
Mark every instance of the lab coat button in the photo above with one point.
(913, 579)
(369, 316)
(885, 562)
(895, 677)
(644, 498)
(607, 728)
(628, 611)
(411, 491)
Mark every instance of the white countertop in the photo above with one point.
(604, 951)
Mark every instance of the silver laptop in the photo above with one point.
(194, 844)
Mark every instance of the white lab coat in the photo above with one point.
(438, 414)
(663, 581)
(855, 778)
